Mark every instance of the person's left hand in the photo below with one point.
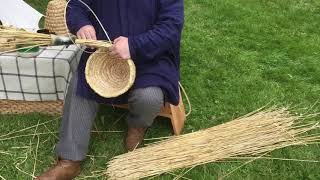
(120, 48)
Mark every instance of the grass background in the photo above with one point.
(237, 55)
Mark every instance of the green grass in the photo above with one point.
(237, 55)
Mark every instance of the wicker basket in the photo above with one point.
(108, 75)
(55, 21)
(25, 107)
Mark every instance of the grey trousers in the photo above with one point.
(79, 114)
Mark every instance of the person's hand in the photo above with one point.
(87, 32)
(120, 48)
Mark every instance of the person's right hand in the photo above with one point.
(87, 32)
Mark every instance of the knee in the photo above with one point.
(144, 105)
(150, 97)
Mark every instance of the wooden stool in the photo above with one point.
(176, 114)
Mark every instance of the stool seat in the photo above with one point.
(176, 114)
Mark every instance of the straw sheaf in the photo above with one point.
(252, 135)
(108, 75)
(7, 44)
(4, 46)
(55, 21)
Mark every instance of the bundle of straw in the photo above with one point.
(254, 135)
(22, 37)
(4, 46)
(12, 37)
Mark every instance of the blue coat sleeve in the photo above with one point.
(78, 15)
(164, 35)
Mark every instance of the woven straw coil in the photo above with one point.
(109, 76)
(25, 107)
(55, 21)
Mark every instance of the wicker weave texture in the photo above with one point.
(25, 107)
(55, 21)
(109, 76)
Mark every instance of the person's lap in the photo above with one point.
(79, 114)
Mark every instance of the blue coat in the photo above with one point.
(153, 28)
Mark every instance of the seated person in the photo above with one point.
(148, 32)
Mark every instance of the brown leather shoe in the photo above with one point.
(134, 138)
(62, 170)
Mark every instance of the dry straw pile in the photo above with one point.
(252, 135)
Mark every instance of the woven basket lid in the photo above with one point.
(109, 76)
(55, 21)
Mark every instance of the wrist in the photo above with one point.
(132, 47)
(80, 25)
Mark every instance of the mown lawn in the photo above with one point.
(237, 55)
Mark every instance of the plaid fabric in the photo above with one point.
(41, 78)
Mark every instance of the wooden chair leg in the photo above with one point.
(178, 116)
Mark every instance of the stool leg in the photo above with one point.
(178, 116)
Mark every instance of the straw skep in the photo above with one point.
(109, 76)
(252, 135)
(55, 21)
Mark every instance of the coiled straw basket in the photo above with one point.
(108, 75)
(55, 21)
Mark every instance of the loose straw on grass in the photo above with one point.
(37, 147)
(46, 133)
(5, 153)
(183, 173)
(17, 164)
(2, 178)
(242, 165)
(21, 130)
(251, 135)
(279, 159)
(36, 157)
